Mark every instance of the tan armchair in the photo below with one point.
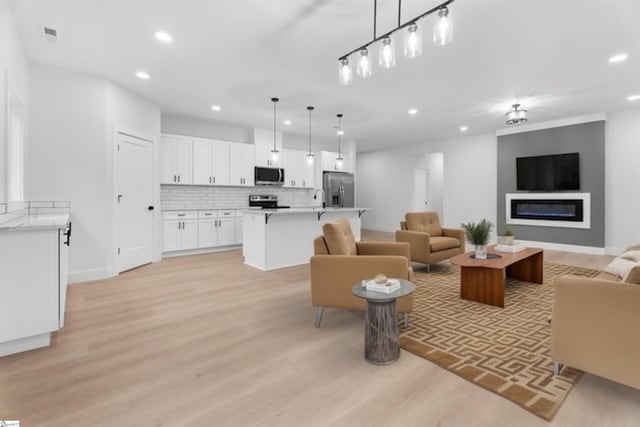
(430, 243)
(594, 326)
(339, 262)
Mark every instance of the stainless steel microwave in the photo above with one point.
(269, 176)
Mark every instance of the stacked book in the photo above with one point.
(512, 249)
(391, 285)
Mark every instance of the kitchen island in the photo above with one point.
(277, 238)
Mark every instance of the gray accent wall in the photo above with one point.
(588, 139)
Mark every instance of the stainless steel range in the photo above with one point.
(265, 201)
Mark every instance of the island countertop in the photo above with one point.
(304, 210)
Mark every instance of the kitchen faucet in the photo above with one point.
(315, 196)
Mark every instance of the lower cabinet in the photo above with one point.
(238, 221)
(186, 230)
(214, 229)
(180, 231)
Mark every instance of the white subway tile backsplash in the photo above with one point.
(201, 197)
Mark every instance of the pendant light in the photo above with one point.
(364, 64)
(274, 152)
(344, 72)
(339, 159)
(387, 53)
(413, 41)
(516, 115)
(443, 28)
(310, 154)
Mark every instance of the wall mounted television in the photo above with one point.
(556, 172)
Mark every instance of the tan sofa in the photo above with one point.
(339, 262)
(429, 241)
(596, 326)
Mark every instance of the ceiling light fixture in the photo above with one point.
(339, 159)
(310, 154)
(413, 111)
(620, 57)
(216, 108)
(516, 115)
(142, 75)
(274, 152)
(464, 128)
(442, 35)
(164, 37)
(632, 98)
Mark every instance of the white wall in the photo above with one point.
(71, 158)
(385, 181)
(14, 66)
(622, 180)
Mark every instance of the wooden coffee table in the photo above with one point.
(482, 280)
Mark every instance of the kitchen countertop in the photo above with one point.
(305, 210)
(241, 208)
(36, 222)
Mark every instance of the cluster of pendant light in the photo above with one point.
(412, 46)
(310, 155)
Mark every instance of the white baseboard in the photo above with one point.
(91, 275)
(24, 344)
(592, 250)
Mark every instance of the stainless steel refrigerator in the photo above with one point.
(338, 189)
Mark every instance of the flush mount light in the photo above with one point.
(142, 75)
(216, 108)
(442, 35)
(274, 152)
(287, 122)
(164, 37)
(464, 128)
(620, 57)
(516, 115)
(413, 111)
(632, 98)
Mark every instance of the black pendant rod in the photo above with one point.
(388, 33)
(375, 12)
(310, 108)
(399, 11)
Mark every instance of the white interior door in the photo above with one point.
(133, 171)
(421, 187)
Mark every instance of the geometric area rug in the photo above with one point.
(504, 350)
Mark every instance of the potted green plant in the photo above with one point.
(507, 237)
(478, 235)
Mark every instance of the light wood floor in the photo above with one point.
(206, 341)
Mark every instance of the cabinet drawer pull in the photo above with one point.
(182, 214)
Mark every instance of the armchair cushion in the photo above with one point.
(443, 243)
(427, 222)
(383, 248)
(633, 276)
(339, 238)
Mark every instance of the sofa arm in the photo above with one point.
(419, 242)
(333, 276)
(384, 248)
(594, 327)
(456, 233)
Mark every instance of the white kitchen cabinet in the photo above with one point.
(329, 162)
(210, 162)
(226, 231)
(298, 172)
(177, 160)
(216, 228)
(263, 142)
(180, 231)
(241, 164)
(238, 221)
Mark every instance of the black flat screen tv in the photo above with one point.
(556, 172)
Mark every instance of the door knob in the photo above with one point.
(150, 208)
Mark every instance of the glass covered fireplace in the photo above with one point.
(548, 209)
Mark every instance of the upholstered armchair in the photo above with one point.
(429, 241)
(339, 262)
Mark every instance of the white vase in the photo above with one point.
(481, 251)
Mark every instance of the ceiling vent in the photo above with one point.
(51, 34)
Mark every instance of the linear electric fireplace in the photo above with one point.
(557, 209)
(546, 209)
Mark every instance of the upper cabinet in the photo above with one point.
(241, 164)
(329, 162)
(263, 141)
(210, 162)
(298, 172)
(177, 160)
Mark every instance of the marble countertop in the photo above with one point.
(36, 222)
(304, 210)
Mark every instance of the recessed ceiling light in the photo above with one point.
(287, 122)
(216, 108)
(464, 128)
(164, 37)
(632, 98)
(142, 75)
(620, 57)
(413, 111)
